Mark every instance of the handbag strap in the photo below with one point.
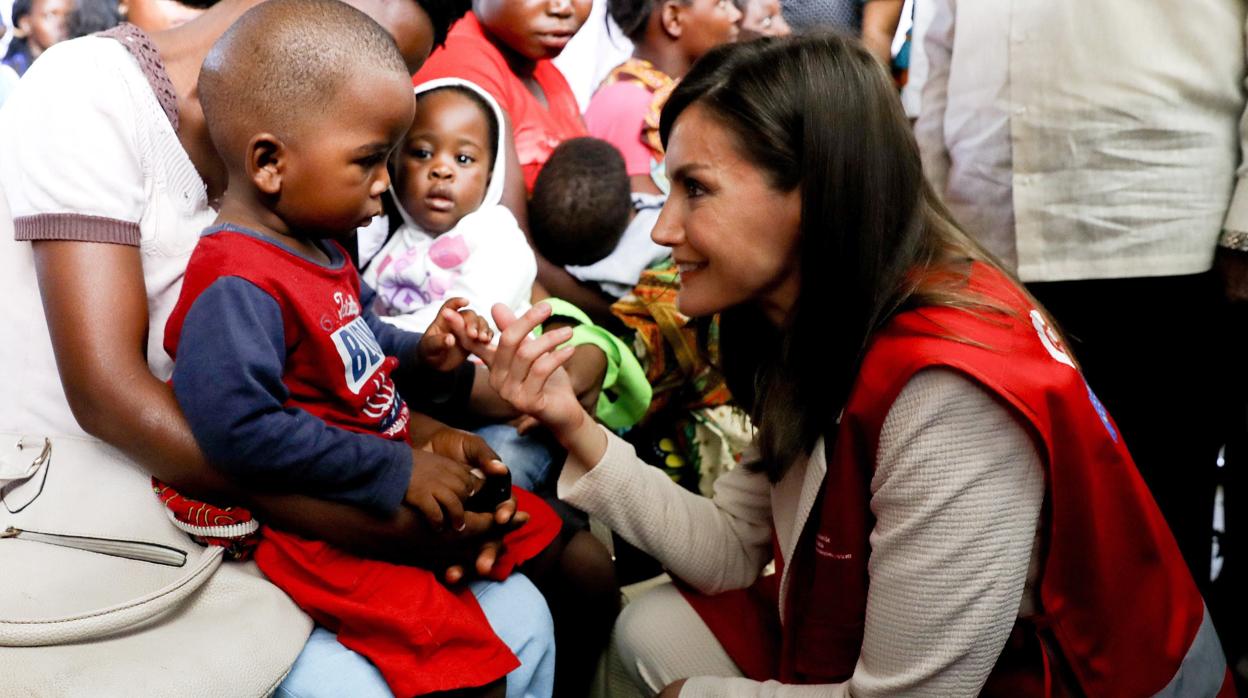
(92, 625)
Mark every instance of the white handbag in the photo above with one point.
(101, 595)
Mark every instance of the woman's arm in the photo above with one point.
(96, 305)
(879, 25)
(956, 494)
(713, 544)
(725, 542)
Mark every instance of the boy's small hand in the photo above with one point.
(452, 336)
(489, 528)
(465, 447)
(438, 489)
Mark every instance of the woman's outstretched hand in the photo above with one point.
(527, 371)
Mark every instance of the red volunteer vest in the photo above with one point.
(1120, 608)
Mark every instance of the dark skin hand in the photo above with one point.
(99, 350)
(439, 348)
(1232, 266)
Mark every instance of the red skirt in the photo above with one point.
(422, 635)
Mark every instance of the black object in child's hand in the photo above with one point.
(495, 491)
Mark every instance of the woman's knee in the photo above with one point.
(641, 634)
(659, 639)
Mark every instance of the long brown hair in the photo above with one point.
(819, 113)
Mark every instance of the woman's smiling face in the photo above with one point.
(733, 235)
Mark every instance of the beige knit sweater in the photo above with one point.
(957, 492)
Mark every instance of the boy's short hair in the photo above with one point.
(581, 202)
(487, 110)
(281, 62)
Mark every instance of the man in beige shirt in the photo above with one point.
(1096, 147)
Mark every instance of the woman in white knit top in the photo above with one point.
(107, 177)
(798, 210)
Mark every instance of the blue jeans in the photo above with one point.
(526, 458)
(516, 611)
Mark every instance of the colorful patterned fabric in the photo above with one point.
(659, 83)
(693, 429)
(232, 528)
(678, 355)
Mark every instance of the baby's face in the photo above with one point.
(444, 164)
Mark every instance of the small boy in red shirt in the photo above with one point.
(287, 379)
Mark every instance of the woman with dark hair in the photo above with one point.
(949, 508)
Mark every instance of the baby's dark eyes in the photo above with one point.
(465, 159)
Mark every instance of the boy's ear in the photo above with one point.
(266, 162)
(670, 16)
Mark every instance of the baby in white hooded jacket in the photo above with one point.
(457, 239)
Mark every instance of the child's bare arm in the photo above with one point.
(588, 369)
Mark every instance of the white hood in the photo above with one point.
(498, 171)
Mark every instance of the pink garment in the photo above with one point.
(617, 114)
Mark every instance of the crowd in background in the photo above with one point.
(1103, 169)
